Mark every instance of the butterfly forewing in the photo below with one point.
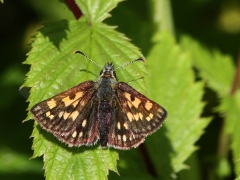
(62, 113)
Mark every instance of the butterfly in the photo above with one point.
(108, 111)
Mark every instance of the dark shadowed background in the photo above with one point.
(215, 23)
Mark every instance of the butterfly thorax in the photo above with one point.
(106, 86)
(106, 83)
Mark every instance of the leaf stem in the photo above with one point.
(74, 8)
(237, 76)
(147, 160)
(162, 15)
(224, 138)
(162, 18)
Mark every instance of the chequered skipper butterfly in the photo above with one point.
(106, 110)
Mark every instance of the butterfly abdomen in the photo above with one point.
(105, 96)
(104, 118)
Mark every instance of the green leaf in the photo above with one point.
(230, 106)
(172, 86)
(55, 69)
(62, 162)
(218, 72)
(216, 69)
(96, 11)
(53, 62)
(131, 166)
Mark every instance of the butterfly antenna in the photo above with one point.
(139, 59)
(79, 52)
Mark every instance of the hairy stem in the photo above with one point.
(74, 8)
(147, 160)
(236, 77)
(224, 138)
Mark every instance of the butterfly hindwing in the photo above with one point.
(85, 131)
(121, 135)
(69, 115)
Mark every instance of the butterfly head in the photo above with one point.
(108, 71)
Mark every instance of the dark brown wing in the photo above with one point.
(120, 135)
(69, 115)
(85, 132)
(136, 117)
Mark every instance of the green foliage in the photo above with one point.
(12, 161)
(73, 163)
(216, 69)
(96, 11)
(178, 86)
(218, 72)
(48, 76)
(169, 79)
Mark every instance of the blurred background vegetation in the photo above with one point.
(214, 23)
